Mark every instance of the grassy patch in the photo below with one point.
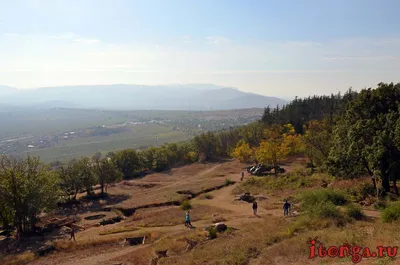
(186, 205)
(170, 216)
(361, 191)
(212, 232)
(206, 196)
(229, 182)
(19, 259)
(118, 230)
(391, 213)
(311, 198)
(320, 210)
(293, 180)
(354, 211)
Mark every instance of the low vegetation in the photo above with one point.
(354, 211)
(186, 205)
(118, 230)
(298, 178)
(391, 213)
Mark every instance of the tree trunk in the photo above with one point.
(102, 187)
(33, 223)
(395, 186)
(373, 182)
(385, 182)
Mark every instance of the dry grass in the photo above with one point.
(95, 241)
(118, 230)
(19, 259)
(170, 216)
(298, 179)
(195, 178)
(234, 248)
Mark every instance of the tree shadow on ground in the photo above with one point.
(91, 203)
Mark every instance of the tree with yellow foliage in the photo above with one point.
(292, 144)
(271, 150)
(288, 129)
(242, 151)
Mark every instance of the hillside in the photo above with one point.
(168, 97)
(337, 179)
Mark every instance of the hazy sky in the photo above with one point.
(277, 48)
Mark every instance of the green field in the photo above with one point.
(87, 147)
(45, 129)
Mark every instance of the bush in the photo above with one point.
(208, 196)
(362, 191)
(316, 197)
(391, 213)
(212, 232)
(229, 182)
(324, 209)
(186, 205)
(354, 211)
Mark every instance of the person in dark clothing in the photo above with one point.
(72, 234)
(241, 179)
(286, 208)
(255, 206)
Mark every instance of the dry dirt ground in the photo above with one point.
(164, 227)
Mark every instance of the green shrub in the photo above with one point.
(362, 191)
(354, 211)
(212, 232)
(316, 197)
(391, 213)
(208, 196)
(186, 205)
(324, 209)
(229, 182)
(380, 204)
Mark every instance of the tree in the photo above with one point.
(106, 172)
(366, 134)
(86, 174)
(242, 151)
(317, 141)
(205, 145)
(160, 159)
(270, 150)
(70, 180)
(27, 187)
(128, 162)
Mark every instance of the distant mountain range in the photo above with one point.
(137, 97)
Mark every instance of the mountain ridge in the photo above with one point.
(141, 97)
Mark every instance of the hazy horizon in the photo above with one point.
(263, 47)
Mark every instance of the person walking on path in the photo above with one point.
(255, 207)
(286, 208)
(241, 179)
(72, 234)
(187, 220)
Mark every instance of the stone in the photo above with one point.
(221, 227)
